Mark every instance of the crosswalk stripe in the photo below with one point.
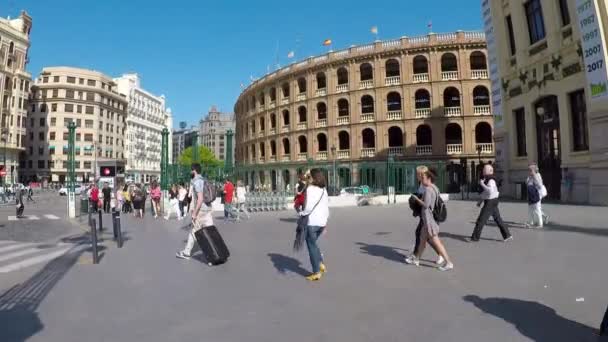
(33, 261)
(51, 217)
(15, 246)
(28, 217)
(20, 253)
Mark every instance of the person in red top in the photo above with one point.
(228, 195)
(94, 197)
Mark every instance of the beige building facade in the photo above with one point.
(549, 115)
(213, 130)
(417, 98)
(88, 98)
(14, 93)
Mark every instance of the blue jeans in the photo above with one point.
(312, 234)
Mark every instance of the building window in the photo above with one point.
(66, 136)
(51, 152)
(90, 96)
(520, 130)
(53, 107)
(81, 81)
(33, 108)
(79, 109)
(45, 79)
(69, 108)
(89, 110)
(41, 136)
(578, 112)
(88, 124)
(88, 137)
(56, 79)
(42, 122)
(41, 164)
(91, 83)
(55, 92)
(563, 9)
(511, 35)
(69, 94)
(71, 79)
(52, 136)
(87, 164)
(78, 136)
(51, 164)
(53, 121)
(536, 23)
(40, 151)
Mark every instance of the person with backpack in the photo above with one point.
(433, 210)
(416, 212)
(138, 200)
(490, 197)
(536, 217)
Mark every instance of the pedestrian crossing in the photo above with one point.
(16, 255)
(33, 217)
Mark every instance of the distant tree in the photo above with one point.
(206, 157)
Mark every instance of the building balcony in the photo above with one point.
(422, 113)
(424, 150)
(394, 115)
(340, 88)
(261, 134)
(368, 117)
(322, 155)
(301, 97)
(321, 123)
(272, 159)
(453, 149)
(271, 105)
(285, 129)
(343, 120)
(261, 159)
(366, 84)
(344, 154)
(449, 75)
(421, 78)
(272, 131)
(285, 158)
(302, 125)
(395, 151)
(285, 100)
(392, 81)
(302, 156)
(486, 148)
(368, 152)
(321, 92)
(481, 110)
(452, 111)
(479, 74)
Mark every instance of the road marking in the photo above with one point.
(33, 261)
(51, 217)
(26, 217)
(15, 246)
(20, 253)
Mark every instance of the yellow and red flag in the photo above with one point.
(327, 42)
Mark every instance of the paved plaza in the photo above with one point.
(546, 285)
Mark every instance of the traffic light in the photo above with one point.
(107, 171)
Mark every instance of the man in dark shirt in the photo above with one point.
(107, 197)
(20, 206)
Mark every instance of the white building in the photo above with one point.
(213, 130)
(147, 115)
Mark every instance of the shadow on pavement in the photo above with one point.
(18, 318)
(289, 219)
(386, 252)
(536, 321)
(603, 232)
(462, 238)
(284, 263)
(382, 233)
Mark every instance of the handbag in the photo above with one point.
(301, 227)
(542, 191)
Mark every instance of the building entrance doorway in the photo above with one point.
(548, 142)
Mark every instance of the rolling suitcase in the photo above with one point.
(20, 210)
(212, 245)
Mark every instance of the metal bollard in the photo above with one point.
(118, 231)
(94, 242)
(114, 215)
(100, 220)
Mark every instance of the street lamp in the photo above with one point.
(4, 139)
(333, 153)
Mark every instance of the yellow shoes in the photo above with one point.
(314, 276)
(322, 268)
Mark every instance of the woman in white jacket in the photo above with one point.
(317, 209)
(536, 216)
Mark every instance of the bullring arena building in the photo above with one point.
(369, 114)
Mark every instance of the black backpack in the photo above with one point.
(440, 210)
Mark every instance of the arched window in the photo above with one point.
(449, 62)
(302, 85)
(451, 97)
(421, 65)
(393, 101)
(481, 96)
(273, 94)
(302, 114)
(478, 61)
(253, 104)
(342, 76)
(453, 134)
(286, 149)
(321, 111)
(368, 138)
(273, 120)
(262, 99)
(392, 68)
(343, 109)
(367, 72)
(262, 124)
(424, 135)
(322, 141)
(343, 141)
(321, 80)
(395, 137)
(367, 104)
(483, 133)
(285, 89)
(422, 99)
(273, 148)
(11, 47)
(253, 155)
(262, 150)
(285, 117)
(303, 144)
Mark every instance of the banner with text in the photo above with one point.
(496, 86)
(594, 51)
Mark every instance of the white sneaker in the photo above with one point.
(412, 260)
(446, 267)
(183, 255)
(440, 261)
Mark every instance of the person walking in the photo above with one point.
(126, 195)
(182, 193)
(3, 194)
(228, 198)
(201, 213)
(173, 203)
(430, 229)
(155, 195)
(94, 197)
(300, 188)
(30, 193)
(107, 197)
(536, 216)
(241, 198)
(490, 197)
(316, 208)
(138, 199)
(20, 205)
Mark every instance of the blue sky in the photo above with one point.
(198, 53)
